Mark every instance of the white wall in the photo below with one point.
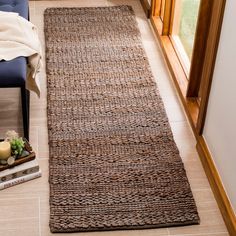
(220, 126)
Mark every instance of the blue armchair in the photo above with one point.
(13, 73)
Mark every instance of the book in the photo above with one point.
(20, 180)
(18, 171)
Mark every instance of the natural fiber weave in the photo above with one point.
(113, 161)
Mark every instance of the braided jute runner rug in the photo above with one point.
(113, 161)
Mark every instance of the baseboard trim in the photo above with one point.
(217, 186)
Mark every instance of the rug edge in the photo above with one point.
(134, 227)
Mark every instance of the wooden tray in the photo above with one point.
(21, 160)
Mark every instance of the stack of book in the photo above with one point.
(22, 170)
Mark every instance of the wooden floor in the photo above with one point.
(24, 209)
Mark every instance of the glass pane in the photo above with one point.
(184, 25)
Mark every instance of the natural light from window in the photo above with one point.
(184, 27)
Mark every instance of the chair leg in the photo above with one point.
(25, 102)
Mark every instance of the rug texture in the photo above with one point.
(113, 160)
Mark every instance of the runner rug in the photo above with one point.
(113, 160)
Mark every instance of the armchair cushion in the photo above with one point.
(13, 72)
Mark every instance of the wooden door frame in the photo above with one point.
(204, 54)
(176, 69)
(146, 7)
(213, 37)
(167, 17)
(199, 48)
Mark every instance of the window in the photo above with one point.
(188, 31)
(184, 28)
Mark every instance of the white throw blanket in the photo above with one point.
(19, 37)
